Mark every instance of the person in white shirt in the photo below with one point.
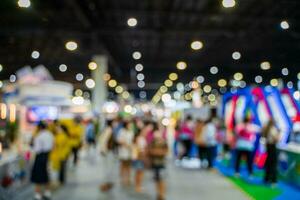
(210, 135)
(42, 145)
(125, 141)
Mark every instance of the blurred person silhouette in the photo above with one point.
(271, 135)
(76, 133)
(158, 150)
(185, 136)
(65, 154)
(199, 140)
(90, 133)
(210, 137)
(42, 146)
(106, 144)
(245, 144)
(125, 141)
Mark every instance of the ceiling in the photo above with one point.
(163, 35)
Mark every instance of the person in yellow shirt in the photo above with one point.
(76, 132)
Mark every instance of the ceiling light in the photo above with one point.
(236, 55)
(78, 92)
(125, 95)
(173, 76)
(63, 67)
(200, 79)
(139, 67)
(265, 65)
(290, 84)
(274, 82)
(207, 88)
(194, 84)
(71, 45)
(163, 89)
(285, 71)
(238, 76)
(12, 78)
(90, 83)
(180, 87)
(168, 83)
(93, 65)
(136, 55)
(214, 70)
(196, 45)
(24, 3)
(132, 22)
(143, 94)
(166, 97)
(35, 54)
(119, 89)
(228, 3)
(1, 68)
(258, 79)
(79, 77)
(222, 83)
(78, 100)
(112, 83)
(181, 65)
(141, 84)
(284, 25)
(106, 77)
(140, 76)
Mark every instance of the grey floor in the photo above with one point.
(181, 185)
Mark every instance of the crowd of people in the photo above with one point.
(139, 145)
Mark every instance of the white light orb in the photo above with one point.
(35, 54)
(214, 70)
(143, 94)
(12, 78)
(200, 79)
(285, 71)
(90, 83)
(137, 55)
(228, 3)
(79, 100)
(140, 76)
(236, 55)
(181, 65)
(258, 79)
(166, 97)
(24, 3)
(290, 84)
(139, 67)
(265, 65)
(132, 22)
(79, 77)
(284, 25)
(141, 84)
(71, 45)
(196, 45)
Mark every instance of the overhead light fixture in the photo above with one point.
(1, 68)
(258, 79)
(132, 22)
(196, 45)
(228, 3)
(181, 65)
(214, 70)
(265, 65)
(140, 76)
(79, 77)
(24, 3)
(285, 71)
(137, 55)
(222, 83)
(112, 83)
(284, 25)
(238, 76)
(71, 46)
(35, 54)
(139, 67)
(12, 78)
(236, 55)
(63, 68)
(90, 83)
(141, 84)
(93, 65)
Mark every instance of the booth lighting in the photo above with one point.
(258, 79)
(196, 45)
(35, 54)
(106, 77)
(207, 88)
(24, 3)
(3, 111)
(173, 76)
(137, 55)
(274, 82)
(141, 84)
(119, 89)
(181, 65)
(265, 65)
(1, 68)
(238, 76)
(71, 46)
(284, 25)
(228, 3)
(236, 55)
(132, 22)
(128, 108)
(180, 87)
(139, 67)
(12, 78)
(78, 92)
(90, 83)
(63, 68)
(166, 97)
(12, 113)
(200, 79)
(78, 100)
(285, 71)
(93, 65)
(125, 95)
(222, 83)
(140, 76)
(163, 89)
(214, 70)
(112, 83)
(194, 84)
(168, 83)
(79, 77)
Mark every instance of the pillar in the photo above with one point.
(99, 93)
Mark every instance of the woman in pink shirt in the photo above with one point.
(186, 135)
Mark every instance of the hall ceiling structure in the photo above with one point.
(163, 35)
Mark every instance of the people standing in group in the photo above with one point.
(139, 154)
(210, 135)
(42, 146)
(158, 150)
(245, 144)
(185, 136)
(271, 135)
(125, 141)
(76, 134)
(106, 143)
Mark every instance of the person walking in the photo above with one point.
(271, 135)
(42, 146)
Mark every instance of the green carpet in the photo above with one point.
(257, 192)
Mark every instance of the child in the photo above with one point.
(158, 150)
